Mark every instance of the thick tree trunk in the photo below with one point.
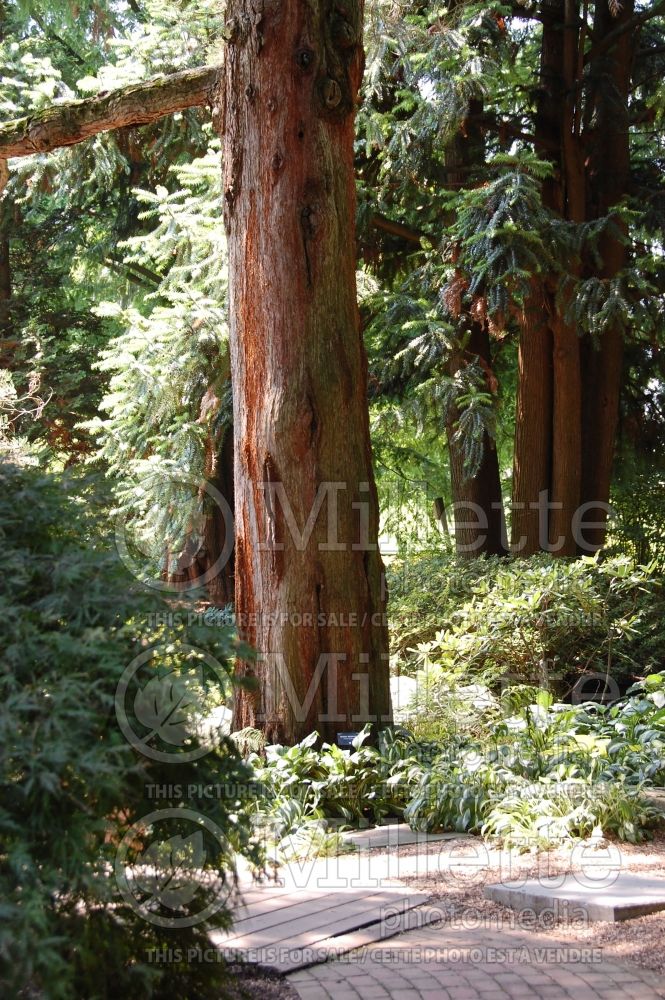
(5, 268)
(309, 577)
(221, 588)
(610, 166)
(5, 285)
(533, 428)
(566, 438)
(532, 457)
(7, 344)
(567, 394)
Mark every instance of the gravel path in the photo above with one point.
(461, 898)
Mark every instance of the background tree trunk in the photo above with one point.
(314, 610)
(610, 168)
(533, 427)
(473, 537)
(5, 287)
(566, 437)
(532, 456)
(221, 588)
(567, 394)
(198, 564)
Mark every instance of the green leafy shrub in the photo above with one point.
(541, 621)
(546, 813)
(72, 785)
(532, 773)
(551, 772)
(303, 788)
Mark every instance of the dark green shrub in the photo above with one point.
(540, 621)
(307, 790)
(72, 785)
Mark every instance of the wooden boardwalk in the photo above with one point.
(318, 911)
(324, 909)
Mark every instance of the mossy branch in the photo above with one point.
(138, 104)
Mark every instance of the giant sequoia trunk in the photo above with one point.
(6, 207)
(548, 439)
(567, 394)
(532, 456)
(610, 166)
(309, 577)
(566, 437)
(5, 285)
(582, 109)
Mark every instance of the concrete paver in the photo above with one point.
(620, 896)
(448, 962)
(330, 918)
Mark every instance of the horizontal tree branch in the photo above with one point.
(135, 272)
(396, 229)
(636, 21)
(138, 104)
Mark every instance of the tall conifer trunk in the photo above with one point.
(312, 606)
(533, 426)
(5, 270)
(567, 395)
(610, 167)
(532, 456)
(208, 558)
(480, 527)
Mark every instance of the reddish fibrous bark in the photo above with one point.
(533, 427)
(610, 168)
(313, 608)
(589, 127)
(567, 381)
(532, 455)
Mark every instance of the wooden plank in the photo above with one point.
(268, 895)
(288, 904)
(412, 919)
(309, 931)
(252, 896)
(303, 913)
